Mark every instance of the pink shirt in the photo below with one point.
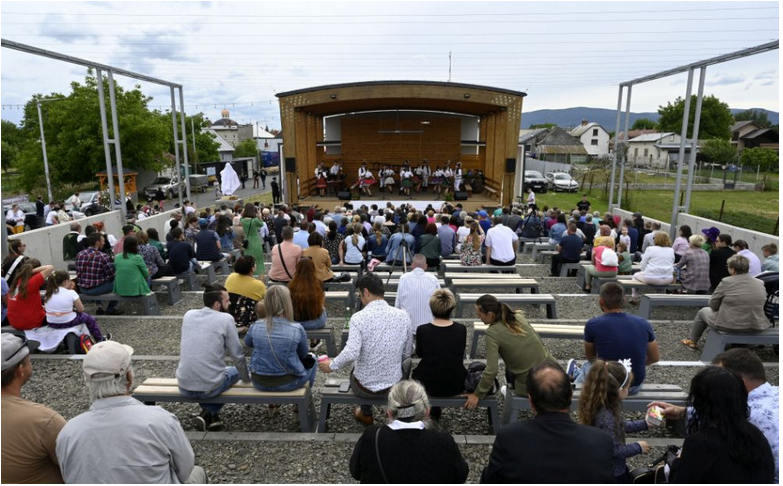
(680, 246)
(291, 255)
(598, 251)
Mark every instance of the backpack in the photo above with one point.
(609, 258)
(473, 377)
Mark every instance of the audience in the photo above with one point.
(470, 251)
(156, 267)
(352, 247)
(551, 448)
(182, 257)
(616, 335)
(395, 250)
(308, 296)
(285, 256)
(736, 305)
(605, 261)
(96, 272)
(770, 252)
(501, 245)
(569, 250)
(741, 247)
(29, 430)
(379, 345)
(25, 308)
(208, 337)
(719, 256)
(132, 273)
(320, 257)
(405, 450)
(694, 267)
(14, 260)
(429, 245)
(510, 337)
(657, 263)
(60, 301)
(207, 243)
(414, 291)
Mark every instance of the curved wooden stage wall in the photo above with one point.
(302, 113)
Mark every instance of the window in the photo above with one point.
(595, 132)
(636, 152)
(646, 151)
(594, 141)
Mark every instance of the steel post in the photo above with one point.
(106, 149)
(43, 147)
(681, 155)
(625, 152)
(184, 142)
(176, 144)
(115, 123)
(4, 237)
(694, 139)
(616, 144)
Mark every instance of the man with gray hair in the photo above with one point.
(736, 305)
(121, 440)
(414, 292)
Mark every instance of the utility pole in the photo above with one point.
(43, 145)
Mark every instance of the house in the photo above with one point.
(749, 134)
(594, 137)
(631, 134)
(559, 146)
(231, 131)
(656, 150)
(265, 141)
(528, 140)
(225, 150)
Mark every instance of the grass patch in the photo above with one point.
(746, 209)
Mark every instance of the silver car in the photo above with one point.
(561, 181)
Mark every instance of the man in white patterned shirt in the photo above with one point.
(379, 343)
(414, 292)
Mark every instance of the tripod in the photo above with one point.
(402, 248)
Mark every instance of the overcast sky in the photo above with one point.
(237, 55)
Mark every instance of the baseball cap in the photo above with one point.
(203, 222)
(107, 360)
(15, 349)
(482, 213)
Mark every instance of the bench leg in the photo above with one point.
(713, 347)
(580, 279)
(331, 347)
(323, 416)
(645, 308)
(474, 346)
(150, 306)
(175, 293)
(494, 418)
(307, 413)
(551, 311)
(509, 414)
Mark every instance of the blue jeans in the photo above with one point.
(317, 323)
(231, 377)
(299, 382)
(581, 374)
(194, 264)
(104, 288)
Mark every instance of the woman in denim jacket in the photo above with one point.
(279, 345)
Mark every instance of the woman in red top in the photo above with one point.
(25, 309)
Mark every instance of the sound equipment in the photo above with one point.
(461, 196)
(511, 165)
(290, 164)
(344, 195)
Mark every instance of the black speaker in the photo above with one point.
(461, 196)
(290, 164)
(511, 165)
(344, 195)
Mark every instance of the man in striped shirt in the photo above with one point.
(414, 292)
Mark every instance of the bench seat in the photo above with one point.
(149, 302)
(453, 267)
(541, 299)
(544, 330)
(628, 283)
(670, 300)
(172, 288)
(518, 285)
(717, 340)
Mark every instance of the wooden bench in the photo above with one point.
(670, 300)
(518, 285)
(490, 191)
(149, 302)
(717, 340)
(331, 395)
(628, 283)
(556, 331)
(542, 299)
(172, 288)
(453, 267)
(673, 394)
(165, 390)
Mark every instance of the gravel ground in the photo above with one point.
(58, 383)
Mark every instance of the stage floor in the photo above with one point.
(418, 200)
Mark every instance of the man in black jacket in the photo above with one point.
(550, 448)
(719, 255)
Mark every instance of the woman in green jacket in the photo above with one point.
(251, 225)
(512, 338)
(429, 245)
(132, 277)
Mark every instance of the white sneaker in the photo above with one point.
(503, 390)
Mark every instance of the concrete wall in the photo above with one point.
(755, 239)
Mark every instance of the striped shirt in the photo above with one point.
(413, 296)
(379, 339)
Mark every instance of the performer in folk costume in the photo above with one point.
(425, 174)
(334, 171)
(437, 180)
(448, 178)
(405, 167)
(387, 175)
(366, 179)
(406, 180)
(320, 179)
(457, 176)
(417, 178)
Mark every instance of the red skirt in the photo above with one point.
(321, 183)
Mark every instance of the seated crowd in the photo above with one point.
(731, 419)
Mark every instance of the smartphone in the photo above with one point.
(333, 382)
(344, 387)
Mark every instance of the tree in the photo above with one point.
(719, 151)
(9, 154)
(74, 140)
(760, 117)
(206, 143)
(644, 124)
(246, 148)
(13, 139)
(766, 159)
(715, 121)
(542, 125)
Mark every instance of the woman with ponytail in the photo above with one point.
(354, 244)
(509, 336)
(64, 308)
(470, 254)
(377, 242)
(25, 309)
(601, 405)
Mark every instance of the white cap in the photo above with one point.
(107, 360)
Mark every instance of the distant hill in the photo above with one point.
(571, 117)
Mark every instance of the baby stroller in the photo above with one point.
(771, 306)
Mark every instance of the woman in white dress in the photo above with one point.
(457, 177)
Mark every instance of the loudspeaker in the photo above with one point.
(461, 196)
(344, 195)
(511, 165)
(290, 164)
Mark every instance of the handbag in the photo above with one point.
(245, 244)
(378, 455)
(473, 377)
(655, 472)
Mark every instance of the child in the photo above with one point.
(61, 300)
(600, 405)
(624, 238)
(624, 258)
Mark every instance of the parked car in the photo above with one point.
(170, 185)
(91, 203)
(31, 219)
(561, 181)
(534, 179)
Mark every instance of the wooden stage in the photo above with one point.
(419, 200)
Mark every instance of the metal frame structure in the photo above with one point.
(107, 141)
(619, 145)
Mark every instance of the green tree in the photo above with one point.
(13, 140)
(542, 125)
(766, 159)
(246, 148)
(719, 151)
(644, 124)
(760, 117)
(9, 154)
(74, 139)
(715, 121)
